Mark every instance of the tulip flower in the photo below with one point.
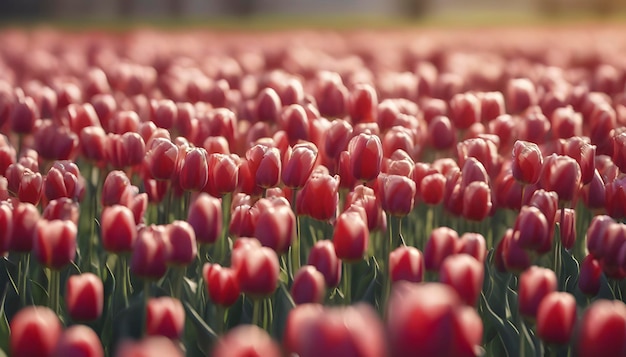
(464, 110)
(161, 159)
(55, 243)
(246, 341)
(299, 165)
(181, 243)
(465, 274)
(442, 242)
(398, 195)
(79, 340)
(351, 235)
(194, 170)
(531, 229)
(149, 346)
(149, 254)
(526, 162)
(441, 132)
(602, 330)
(534, 284)
(520, 94)
(366, 154)
(84, 297)
(514, 257)
(257, 270)
(323, 257)
(473, 244)
(119, 230)
(589, 277)
(205, 216)
(23, 116)
(222, 284)
(165, 316)
(309, 286)
(35, 331)
(556, 317)
(223, 174)
(113, 188)
(406, 263)
(562, 175)
(319, 196)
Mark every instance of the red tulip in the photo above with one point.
(113, 188)
(464, 110)
(30, 187)
(6, 226)
(223, 173)
(351, 235)
(84, 297)
(25, 218)
(556, 317)
(276, 227)
(149, 346)
(473, 244)
(55, 142)
(366, 155)
(465, 274)
(366, 198)
(319, 196)
(567, 228)
(527, 162)
(584, 153)
(362, 104)
(548, 203)
(257, 270)
(222, 284)
(482, 149)
(119, 230)
(246, 341)
(181, 243)
(476, 201)
(308, 286)
(55, 243)
(148, 258)
(442, 242)
(194, 170)
(164, 113)
(331, 95)
(430, 320)
(589, 277)
(534, 284)
(125, 150)
(491, 106)
(406, 263)
(79, 341)
(267, 106)
(161, 158)
(323, 257)
(23, 116)
(594, 194)
(562, 175)
(432, 188)
(299, 165)
(35, 331)
(340, 331)
(615, 198)
(531, 228)
(336, 138)
(514, 257)
(602, 330)
(64, 180)
(165, 316)
(398, 195)
(205, 216)
(520, 94)
(441, 133)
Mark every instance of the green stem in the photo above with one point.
(54, 289)
(347, 284)
(146, 299)
(123, 277)
(23, 268)
(220, 316)
(256, 307)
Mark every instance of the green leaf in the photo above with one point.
(206, 337)
(507, 332)
(5, 330)
(37, 294)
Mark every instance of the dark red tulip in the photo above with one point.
(531, 230)
(222, 284)
(527, 162)
(308, 286)
(612, 259)
(205, 216)
(366, 198)
(336, 138)
(23, 116)
(84, 297)
(589, 277)
(243, 220)
(164, 113)
(295, 123)
(161, 159)
(119, 230)
(594, 194)
(398, 195)
(615, 198)
(562, 175)
(514, 257)
(366, 154)
(257, 271)
(548, 203)
(194, 170)
(64, 180)
(331, 95)
(125, 150)
(441, 133)
(464, 110)
(299, 164)
(30, 187)
(223, 173)
(351, 234)
(55, 243)
(346, 178)
(246, 341)
(465, 274)
(556, 317)
(93, 142)
(79, 341)
(442, 242)
(535, 283)
(483, 150)
(319, 196)
(268, 167)
(584, 154)
(25, 218)
(276, 227)
(567, 228)
(149, 253)
(6, 226)
(340, 331)
(520, 94)
(323, 257)
(267, 106)
(55, 142)
(362, 104)
(406, 263)
(431, 320)
(181, 243)
(113, 188)
(602, 330)
(473, 244)
(601, 123)
(165, 316)
(35, 331)
(136, 202)
(476, 201)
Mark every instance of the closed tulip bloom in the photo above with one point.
(205, 216)
(125, 150)
(431, 320)
(246, 341)
(562, 175)
(477, 201)
(602, 330)
(465, 274)
(351, 235)
(584, 153)
(194, 170)
(556, 317)
(520, 94)
(319, 197)
(64, 180)
(442, 242)
(243, 221)
(269, 168)
(398, 195)
(84, 297)
(276, 228)
(223, 173)
(257, 271)
(113, 188)
(181, 243)
(567, 228)
(619, 151)
(323, 257)
(30, 187)
(514, 257)
(596, 235)
(527, 162)
(482, 149)
(339, 331)
(308, 286)
(491, 105)
(534, 284)
(79, 341)
(25, 218)
(346, 178)
(149, 254)
(362, 104)
(149, 346)
(299, 165)
(406, 263)
(594, 194)
(35, 331)
(6, 226)
(548, 203)
(473, 244)
(590, 275)
(432, 188)
(119, 230)
(612, 258)
(165, 316)
(222, 284)
(464, 110)
(23, 116)
(161, 158)
(366, 155)
(295, 123)
(615, 198)
(441, 133)
(93, 141)
(531, 228)
(55, 243)
(63, 209)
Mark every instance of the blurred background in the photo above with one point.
(17, 10)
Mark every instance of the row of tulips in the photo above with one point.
(157, 198)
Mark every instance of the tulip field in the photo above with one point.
(406, 192)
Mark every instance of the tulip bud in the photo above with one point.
(25, 218)
(473, 244)
(464, 110)
(35, 331)
(23, 116)
(149, 346)
(223, 173)
(336, 138)
(84, 297)
(308, 286)
(362, 104)
(534, 284)
(514, 257)
(441, 133)
(181, 243)
(55, 243)
(527, 162)
(465, 274)
(590, 275)
(442, 242)
(6, 226)
(602, 330)
(556, 317)
(165, 316)
(79, 340)
(398, 195)
(406, 263)
(531, 228)
(319, 197)
(30, 187)
(366, 155)
(148, 259)
(246, 341)
(568, 228)
(322, 256)
(257, 271)
(477, 201)
(432, 188)
(299, 165)
(562, 175)
(276, 228)
(194, 170)
(222, 284)
(205, 216)
(119, 230)
(161, 159)
(351, 235)
(520, 94)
